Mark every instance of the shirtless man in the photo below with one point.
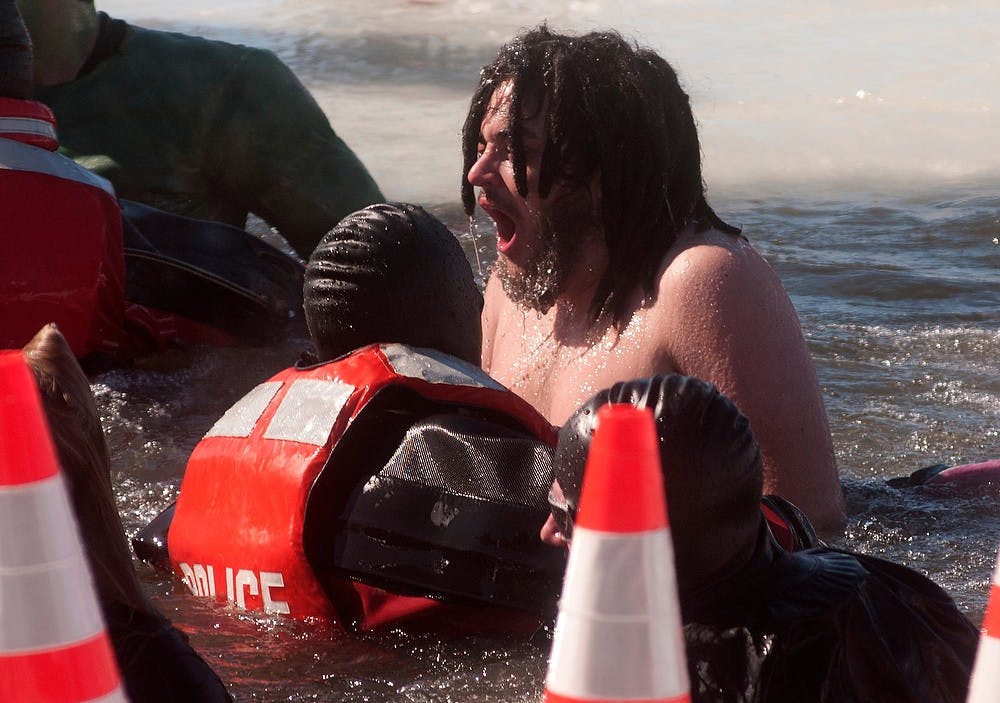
(611, 264)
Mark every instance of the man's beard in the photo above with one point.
(565, 228)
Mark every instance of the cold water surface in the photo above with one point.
(899, 303)
(855, 143)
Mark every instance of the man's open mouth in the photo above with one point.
(504, 224)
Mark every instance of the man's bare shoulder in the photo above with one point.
(707, 253)
(707, 272)
(723, 315)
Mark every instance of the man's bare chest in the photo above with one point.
(557, 378)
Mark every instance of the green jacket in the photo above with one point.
(209, 130)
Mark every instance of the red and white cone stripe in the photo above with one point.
(985, 684)
(618, 636)
(53, 644)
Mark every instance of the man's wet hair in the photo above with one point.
(16, 75)
(612, 108)
(392, 273)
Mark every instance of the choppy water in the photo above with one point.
(856, 143)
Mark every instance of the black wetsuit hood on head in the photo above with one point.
(392, 273)
(762, 624)
(712, 470)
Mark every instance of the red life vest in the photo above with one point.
(237, 533)
(62, 255)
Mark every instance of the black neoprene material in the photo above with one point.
(110, 33)
(763, 625)
(438, 501)
(211, 273)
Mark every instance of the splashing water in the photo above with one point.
(474, 234)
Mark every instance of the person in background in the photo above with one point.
(121, 279)
(762, 624)
(612, 265)
(157, 663)
(201, 128)
(62, 231)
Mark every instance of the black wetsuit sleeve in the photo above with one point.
(274, 151)
(896, 637)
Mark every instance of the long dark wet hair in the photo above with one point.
(616, 109)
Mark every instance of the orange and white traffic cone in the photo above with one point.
(985, 684)
(53, 644)
(618, 636)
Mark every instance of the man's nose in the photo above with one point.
(484, 170)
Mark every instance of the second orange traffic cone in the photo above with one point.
(618, 636)
(53, 643)
(985, 684)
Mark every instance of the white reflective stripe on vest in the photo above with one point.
(36, 525)
(436, 367)
(309, 410)
(27, 125)
(240, 419)
(15, 156)
(619, 635)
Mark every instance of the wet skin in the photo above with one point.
(717, 312)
